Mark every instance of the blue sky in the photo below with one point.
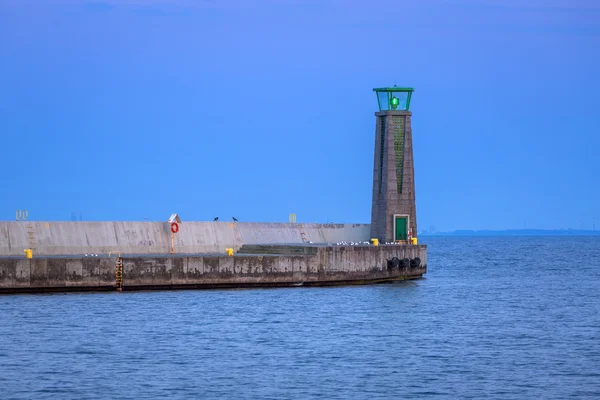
(126, 110)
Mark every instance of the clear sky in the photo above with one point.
(134, 109)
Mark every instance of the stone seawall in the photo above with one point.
(66, 238)
(329, 265)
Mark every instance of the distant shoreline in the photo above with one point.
(516, 232)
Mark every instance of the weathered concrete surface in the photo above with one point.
(283, 249)
(66, 238)
(329, 265)
(56, 274)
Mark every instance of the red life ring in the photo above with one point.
(174, 227)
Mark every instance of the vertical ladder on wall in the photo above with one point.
(30, 237)
(119, 274)
(302, 234)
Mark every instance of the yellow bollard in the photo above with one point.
(28, 253)
(375, 242)
(229, 251)
(414, 240)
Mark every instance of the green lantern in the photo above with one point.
(394, 98)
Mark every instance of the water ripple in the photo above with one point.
(495, 318)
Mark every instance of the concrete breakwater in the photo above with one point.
(67, 238)
(301, 266)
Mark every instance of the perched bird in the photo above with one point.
(216, 219)
(235, 219)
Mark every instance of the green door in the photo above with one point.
(400, 229)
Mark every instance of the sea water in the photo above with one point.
(495, 317)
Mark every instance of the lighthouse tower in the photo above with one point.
(394, 213)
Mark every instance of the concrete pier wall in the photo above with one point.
(65, 238)
(325, 266)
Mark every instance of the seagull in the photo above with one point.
(235, 219)
(216, 219)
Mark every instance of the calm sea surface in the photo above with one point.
(496, 317)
